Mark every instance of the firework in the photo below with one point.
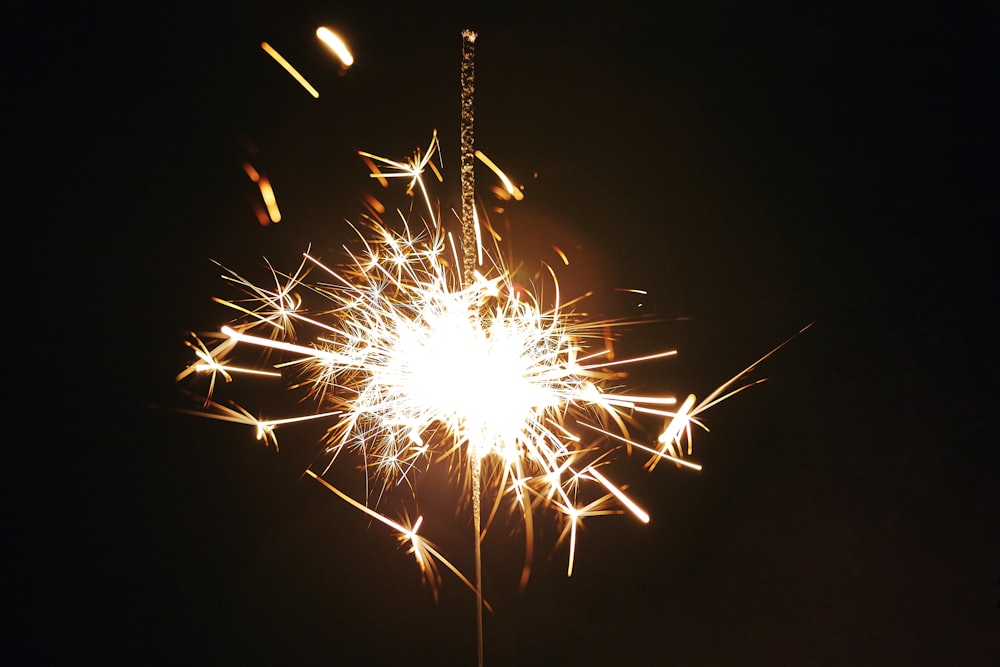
(419, 351)
(413, 366)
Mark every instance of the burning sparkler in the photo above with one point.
(415, 366)
(419, 351)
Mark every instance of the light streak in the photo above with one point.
(335, 44)
(272, 205)
(375, 171)
(266, 193)
(264, 428)
(561, 254)
(513, 192)
(278, 58)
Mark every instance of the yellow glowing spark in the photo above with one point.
(278, 58)
(413, 364)
(272, 205)
(655, 452)
(437, 174)
(335, 44)
(617, 493)
(508, 186)
(264, 428)
(671, 434)
(266, 192)
(608, 342)
(425, 553)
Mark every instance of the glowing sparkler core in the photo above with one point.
(478, 377)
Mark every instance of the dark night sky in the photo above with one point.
(755, 169)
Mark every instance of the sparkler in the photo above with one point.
(415, 358)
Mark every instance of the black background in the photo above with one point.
(754, 168)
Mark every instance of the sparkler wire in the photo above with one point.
(469, 256)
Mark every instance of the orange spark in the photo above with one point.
(251, 172)
(561, 254)
(376, 172)
(373, 204)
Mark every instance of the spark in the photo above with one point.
(411, 365)
(278, 58)
(373, 204)
(335, 44)
(424, 552)
(375, 171)
(561, 254)
(513, 192)
(272, 205)
(264, 428)
(266, 192)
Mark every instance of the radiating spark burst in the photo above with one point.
(414, 365)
